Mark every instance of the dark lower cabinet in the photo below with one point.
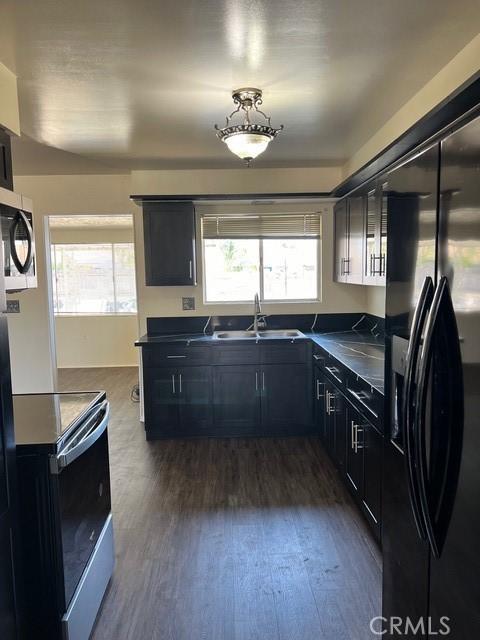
(7, 608)
(179, 401)
(236, 398)
(354, 457)
(340, 429)
(286, 397)
(372, 475)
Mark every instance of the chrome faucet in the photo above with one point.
(258, 318)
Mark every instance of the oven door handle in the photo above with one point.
(63, 459)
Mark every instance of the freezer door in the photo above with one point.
(455, 575)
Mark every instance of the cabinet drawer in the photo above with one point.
(284, 353)
(236, 354)
(175, 355)
(364, 398)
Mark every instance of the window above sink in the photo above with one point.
(277, 256)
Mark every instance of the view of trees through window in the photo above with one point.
(278, 269)
(94, 278)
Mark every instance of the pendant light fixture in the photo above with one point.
(247, 139)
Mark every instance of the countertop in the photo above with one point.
(361, 352)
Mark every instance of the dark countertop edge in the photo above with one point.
(208, 339)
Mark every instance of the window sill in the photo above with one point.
(262, 302)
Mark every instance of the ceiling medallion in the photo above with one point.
(247, 139)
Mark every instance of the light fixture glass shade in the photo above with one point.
(247, 145)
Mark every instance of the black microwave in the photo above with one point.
(18, 242)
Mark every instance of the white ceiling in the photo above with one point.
(112, 85)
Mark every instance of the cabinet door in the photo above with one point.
(319, 403)
(372, 462)
(354, 457)
(7, 611)
(375, 238)
(236, 398)
(340, 213)
(194, 398)
(169, 237)
(340, 429)
(286, 398)
(356, 228)
(161, 398)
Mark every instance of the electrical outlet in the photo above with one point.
(13, 306)
(188, 304)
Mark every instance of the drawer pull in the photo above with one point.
(330, 371)
(176, 357)
(361, 401)
(317, 357)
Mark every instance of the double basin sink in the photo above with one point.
(256, 335)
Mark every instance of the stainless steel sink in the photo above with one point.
(234, 335)
(266, 333)
(280, 333)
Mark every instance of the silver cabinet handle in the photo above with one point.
(357, 431)
(327, 402)
(352, 433)
(331, 409)
(330, 371)
(190, 269)
(319, 395)
(180, 382)
(171, 357)
(263, 380)
(317, 357)
(359, 399)
(256, 380)
(173, 383)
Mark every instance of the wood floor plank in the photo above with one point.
(229, 539)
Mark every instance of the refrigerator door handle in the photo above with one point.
(418, 323)
(438, 485)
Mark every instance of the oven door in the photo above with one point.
(83, 484)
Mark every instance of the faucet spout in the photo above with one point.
(257, 310)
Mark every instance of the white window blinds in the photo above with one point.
(284, 225)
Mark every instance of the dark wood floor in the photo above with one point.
(229, 539)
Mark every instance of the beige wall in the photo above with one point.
(458, 71)
(96, 341)
(9, 118)
(376, 301)
(31, 331)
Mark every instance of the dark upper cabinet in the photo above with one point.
(361, 237)
(286, 397)
(375, 241)
(340, 213)
(356, 230)
(169, 238)
(6, 175)
(236, 397)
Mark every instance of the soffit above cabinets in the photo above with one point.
(136, 84)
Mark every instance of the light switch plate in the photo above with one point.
(13, 306)
(188, 304)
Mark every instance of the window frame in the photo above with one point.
(92, 314)
(315, 300)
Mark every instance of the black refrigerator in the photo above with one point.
(431, 484)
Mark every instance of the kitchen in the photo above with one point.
(302, 461)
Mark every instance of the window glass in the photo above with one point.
(231, 270)
(290, 269)
(93, 278)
